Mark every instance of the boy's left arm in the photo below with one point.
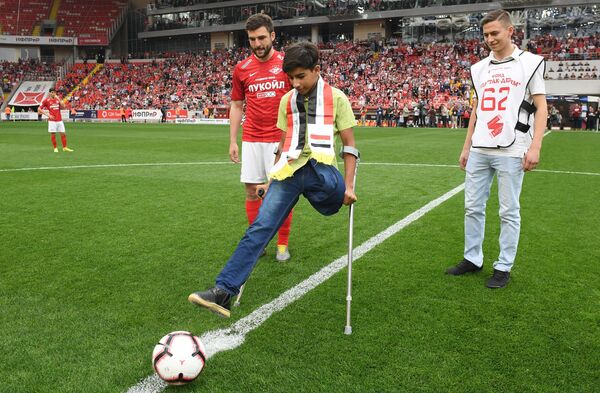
(347, 137)
(532, 157)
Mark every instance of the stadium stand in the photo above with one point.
(21, 21)
(12, 73)
(391, 76)
(90, 20)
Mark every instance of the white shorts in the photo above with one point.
(257, 160)
(56, 126)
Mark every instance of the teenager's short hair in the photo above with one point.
(303, 55)
(257, 21)
(501, 16)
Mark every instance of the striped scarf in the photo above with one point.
(316, 124)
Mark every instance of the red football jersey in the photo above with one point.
(53, 106)
(262, 85)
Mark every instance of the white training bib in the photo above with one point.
(503, 103)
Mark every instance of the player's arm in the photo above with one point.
(464, 154)
(235, 120)
(45, 113)
(347, 137)
(532, 157)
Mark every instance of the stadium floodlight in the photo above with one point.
(348, 328)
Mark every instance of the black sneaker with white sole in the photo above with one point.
(464, 266)
(213, 299)
(498, 280)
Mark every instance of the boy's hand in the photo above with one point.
(349, 197)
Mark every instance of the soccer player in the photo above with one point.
(50, 108)
(261, 82)
(510, 103)
(310, 117)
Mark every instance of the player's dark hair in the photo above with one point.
(257, 21)
(498, 15)
(303, 55)
(52, 89)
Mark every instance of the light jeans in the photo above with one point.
(480, 172)
(321, 184)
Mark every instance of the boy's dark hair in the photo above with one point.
(302, 54)
(498, 15)
(52, 89)
(257, 21)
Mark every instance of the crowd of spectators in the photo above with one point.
(12, 73)
(567, 47)
(417, 81)
(190, 81)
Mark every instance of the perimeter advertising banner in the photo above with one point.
(109, 114)
(34, 40)
(146, 114)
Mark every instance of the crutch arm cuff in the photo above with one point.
(350, 150)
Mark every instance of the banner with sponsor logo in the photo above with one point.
(31, 93)
(202, 121)
(95, 41)
(146, 114)
(109, 114)
(22, 116)
(86, 114)
(33, 40)
(172, 114)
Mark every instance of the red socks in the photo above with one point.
(63, 139)
(53, 138)
(252, 208)
(284, 231)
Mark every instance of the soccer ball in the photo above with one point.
(179, 357)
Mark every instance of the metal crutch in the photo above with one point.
(355, 153)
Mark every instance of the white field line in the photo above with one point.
(166, 164)
(225, 339)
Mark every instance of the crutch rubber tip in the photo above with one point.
(348, 330)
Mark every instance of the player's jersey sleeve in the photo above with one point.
(44, 104)
(237, 88)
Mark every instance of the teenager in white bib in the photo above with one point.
(504, 139)
(310, 117)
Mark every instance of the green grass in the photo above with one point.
(96, 264)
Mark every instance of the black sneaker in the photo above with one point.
(214, 299)
(498, 280)
(463, 267)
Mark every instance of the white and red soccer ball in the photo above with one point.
(179, 357)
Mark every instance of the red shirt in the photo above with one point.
(262, 85)
(53, 106)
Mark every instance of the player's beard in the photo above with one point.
(267, 50)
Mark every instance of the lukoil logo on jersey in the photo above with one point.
(256, 87)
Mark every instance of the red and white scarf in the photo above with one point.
(316, 124)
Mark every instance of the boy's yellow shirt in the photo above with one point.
(343, 118)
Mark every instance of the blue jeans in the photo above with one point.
(321, 184)
(480, 172)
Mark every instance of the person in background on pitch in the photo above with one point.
(509, 88)
(261, 82)
(50, 108)
(310, 116)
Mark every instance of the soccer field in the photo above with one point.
(101, 247)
